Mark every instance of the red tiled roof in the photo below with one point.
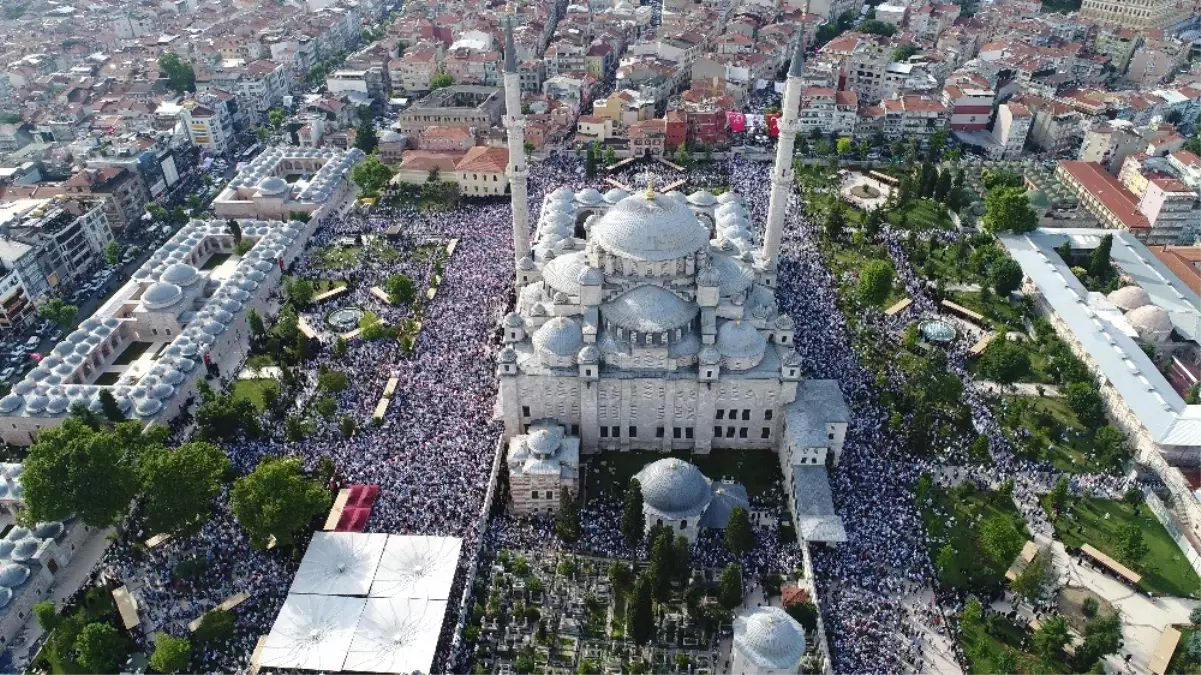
(1106, 189)
(485, 160)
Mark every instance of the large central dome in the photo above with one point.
(653, 229)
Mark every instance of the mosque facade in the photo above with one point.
(649, 321)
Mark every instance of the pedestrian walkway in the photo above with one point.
(264, 373)
(1017, 388)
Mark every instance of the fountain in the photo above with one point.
(345, 319)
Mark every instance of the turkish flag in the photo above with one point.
(737, 121)
(773, 124)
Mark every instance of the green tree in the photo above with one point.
(610, 156)
(942, 187)
(662, 563)
(181, 77)
(620, 577)
(1194, 617)
(973, 614)
(835, 221)
(333, 381)
(347, 426)
(1004, 662)
(67, 463)
(1007, 209)
(299, 291)
(682, 156)
(276, 117)
(1005, 276)
(805, 614)
(100, 648)
(47, 615)
(59, 312)
(875, 282)
(1004, 361)
(567, 520)
(223, 417)
(216, 626)
(1102, 636)
(633, 523)
(1000, 540)
(876, 27)
(1085, 401)
(843, 146)
(171, 654)
(729, 586)
(400, 289)
(365, 138)
(995, 178)
(1058, 496)
(949, 571)
(441, 80)
(591, 161)
(1133, 545)
(740, 538)
(276, 500)
(371, 175)
(1034, 580)
(1050, 637)
(1099, 266)
(640, 617)
(180, 485)
(112, 253)
(108, 404)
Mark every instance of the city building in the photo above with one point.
(970, 107)
(830, 111)
(210, 129)
(1139, 15)
(285, 181)
(471, 106)
(125, 195)
(542, 465)
(1011, 128)
(68, 237)
(1166, 213)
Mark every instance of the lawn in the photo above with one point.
(1164, 568)
(922, 214)
(843, 259)
(260, 361)
(1056, 435)
(215, 260)
(1000, 312)
(337, 257)
(757, 470)
(252, 390)
(951, 519)
(982, 644)
(132, 352)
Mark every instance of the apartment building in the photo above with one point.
(125, 195)
(970, 107)
(829, 111)
(415, 69)
(1166, 213)
(1139, 15)
(862, 63)
(263, 85)
(648, 138)
(1011, 129)
(360, 84)
(210, 129)
(1057, 127)
(917, 117)
(1155, 61)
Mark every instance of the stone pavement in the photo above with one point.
(266, 372)
(1017, 388)
(937, 648)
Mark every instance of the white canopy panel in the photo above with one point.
(396, 635)
(417, 567)
(312, 632)
(339, 563)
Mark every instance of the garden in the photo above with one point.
(973, 534)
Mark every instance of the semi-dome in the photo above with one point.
(563, 272)
(13, 575)
(161, 295)
(559, 336)
(729, 198)
(739, 339)
(649, 309)
(273, 185)
(770, 639)
(1130, 297)
(650, 229)
(733, 277)
(544, 441)
(1151, 322)
(674, 488)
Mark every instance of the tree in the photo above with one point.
(223, 417)
(112, 253)
(1058, 496)
(299, 291)
(740, 539)
(180, 75)
(843, 145)
(1005, 276)
(347, 426)
(47, 615)
(875, 282)
(276, 117)
(1133, 546)
(1086, 403)
(216, 626)
(835, 221)
(1007, 209)
(610, 155)
(1102, 636)
(876, 27)
(108, 404)
(903, 52)
(235, 230)
(973, 613)
(591, 161)
(729, 586)
(942, 187)
(620, 577)
(180, 485)
(1004, 662)
(1033, 581)
(1099, 266)
(640, 618)
(662, 562)
(258, 330)
(441, 80)
(1050, 637)
(1193, 397)
(100, 648)
(1000, 540)
(171, 654)
(947, 563)
(682, 156)
(567, 521)
(67, 463)
(1004, 361)
(994, 178)
(333, 381)
(400, 289)
(365, 138)
(872, 222)
(276, 500)
(59, 312)
(1194, 617)
(633, 523)
(805, 614)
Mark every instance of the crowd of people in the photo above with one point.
(434, 449)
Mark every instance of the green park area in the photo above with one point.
(998, 645)
(336, 256)
(973, 534)
(253, 390)
(1187, 658)
(1132, 536)
(921, 215)
(1046, 429)
(84, 638)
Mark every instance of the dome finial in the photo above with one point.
(650, 189)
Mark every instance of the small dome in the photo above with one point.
(709, 356)
(770, 639)
(708, 277)
(63, 348)
(559, 336)
(702, 198)
(57, 404)
(526, 263)
(590, 276)
(11, 403)
(507, 355)
(161, 295)
(36, 403)
(731, 209)
(180, 274)
(273, 185)
(147, 407)
(729, 198)
(77, 336)
(13, 575)
(6, 596)
(544, 441)
(25, 549)
(677, 196)
(513, 320)
(1129, 298)
(17, 534)
(1150, 321)
(589, 354)
(48, 530)
(212, 327)
(739, 339)
(792, 359)
(785, 322)
(615, 195)
(6, 548)
(674, 488)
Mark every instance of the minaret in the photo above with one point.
(515, 125)
(782, 175)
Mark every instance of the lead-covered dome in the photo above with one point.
(544, 441)
(161, 295)
(563, 272)
(769, 639)
(1152, 323)
(649, 309)
(13, 575)
(1130, 297)
(273, 185)
(739, 339)
(180, 274)
(559, 336)
(674, 489)
(650, 229)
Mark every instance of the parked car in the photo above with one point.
(7, 373)
(32, 343)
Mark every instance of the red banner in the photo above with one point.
(773, 124)
(737, 121)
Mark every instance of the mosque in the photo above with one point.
(649, 321)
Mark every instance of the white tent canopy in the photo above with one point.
(339, 563)
(396, 635)
(312, 632)
(417, 567)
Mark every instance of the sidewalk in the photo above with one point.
(1017, 388)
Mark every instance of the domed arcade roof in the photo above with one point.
(654, 229)
(770, 639)
(1150, 319)
(674, 488)
(180, 274)
(273, 185)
